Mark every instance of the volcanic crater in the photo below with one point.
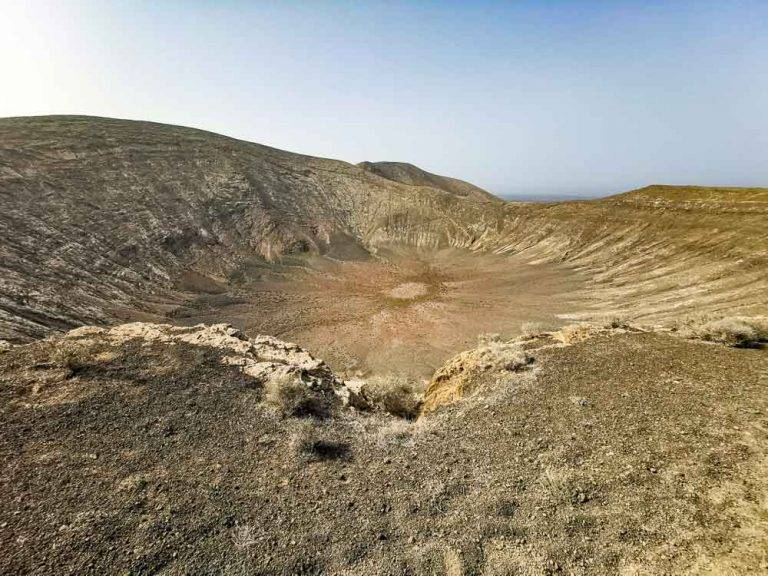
(506, 387)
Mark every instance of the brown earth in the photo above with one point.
(625, 453)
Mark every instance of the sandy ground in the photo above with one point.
(405, 313)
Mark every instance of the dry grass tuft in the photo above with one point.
(394, 395)
(738, 331)
(301, 439)
(488, 338)
(554, 482)
(306, 444)
(531, 329)
(501, 356)
(617, 322)
(574, 333)
(396, 433)
(243, 536)
(73, 357)
(293, 398)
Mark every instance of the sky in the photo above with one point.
(533, 98)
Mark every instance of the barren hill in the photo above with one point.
(415, 176)
(655, 254)
(100, 215)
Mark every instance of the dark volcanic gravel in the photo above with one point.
(625, 451)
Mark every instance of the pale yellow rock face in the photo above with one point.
(468, 371)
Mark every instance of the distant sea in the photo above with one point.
(547, 197)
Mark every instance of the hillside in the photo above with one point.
(146, 449)
(414, 176)
(657, 254)
(102, 217)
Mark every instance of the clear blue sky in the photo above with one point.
(529, 97)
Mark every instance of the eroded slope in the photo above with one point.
(656, 254)
(103, 218)
(107, 220)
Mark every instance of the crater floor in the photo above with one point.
(403, 312)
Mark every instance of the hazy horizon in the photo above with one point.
(555, 99)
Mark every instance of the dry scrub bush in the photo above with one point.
(617, 322)
(73, 357)
(531, 329)
(501, 356)
(554, 482)
(307, 444)
(739, 331)
(488, 338)
(390, 431)
(574, 333)
(243, 536)
(301, 440)
(394, 395)
(395, 433)
(292, 397)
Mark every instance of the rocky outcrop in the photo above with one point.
(495, 364)
(262, 358)
(469, 371)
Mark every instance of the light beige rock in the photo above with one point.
(462, 374)
(263, 358)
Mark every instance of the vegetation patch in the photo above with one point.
(293, 398)
(737, 331)
(394, 395)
